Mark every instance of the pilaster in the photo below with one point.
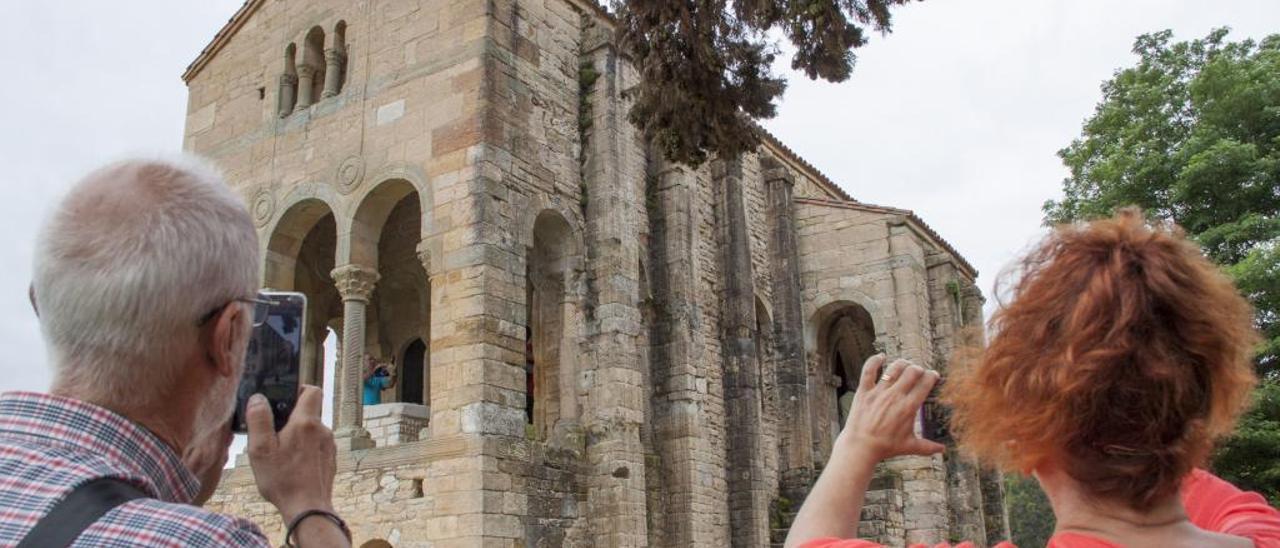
(795, 433)
(748, 496)
(615, 407)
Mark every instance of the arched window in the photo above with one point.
(288, 92)
(549, 351)
(337, 58)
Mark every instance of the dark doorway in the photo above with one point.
(411, 391)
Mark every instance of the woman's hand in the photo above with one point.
(882, 417)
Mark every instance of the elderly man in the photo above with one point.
(144, 279)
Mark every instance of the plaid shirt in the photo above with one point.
(50, 444)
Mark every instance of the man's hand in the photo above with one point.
(205, 458)
(882, 416)
(294, 469)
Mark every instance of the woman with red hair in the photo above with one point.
(1121, 358)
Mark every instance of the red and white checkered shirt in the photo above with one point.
(50, 445)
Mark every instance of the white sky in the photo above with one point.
(956, 115)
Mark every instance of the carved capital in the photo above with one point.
(289, 80)
(307, 72)
(355, 282)
(334, 56)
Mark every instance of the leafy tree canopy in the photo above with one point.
(705, 64)
(1031, 519)
(1192, 134)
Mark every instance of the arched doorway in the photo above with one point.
(846, 339)
(414, 386)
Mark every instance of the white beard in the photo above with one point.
(215, 410)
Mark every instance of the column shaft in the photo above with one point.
(288, 94)
(355, 284)
(333, 58)
(306, 86)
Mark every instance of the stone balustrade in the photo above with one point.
(395, 423)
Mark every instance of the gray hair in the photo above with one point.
(126, 266)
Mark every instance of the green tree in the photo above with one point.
(705, 64)
(1031, 518)
(1249, 458)
(1192, 134)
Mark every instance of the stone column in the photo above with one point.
(748, 500)
(795, 432)
(333, 60)
(310, 362)
(335, 376)
(287, 94)
(306, 81)
(355, 283)
(424, 256)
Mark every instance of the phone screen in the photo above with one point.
(272, 361)
(936, 418)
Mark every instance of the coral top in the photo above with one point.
(1212, 504)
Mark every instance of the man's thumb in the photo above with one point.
(262, 431)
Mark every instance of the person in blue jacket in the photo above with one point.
(377, 377)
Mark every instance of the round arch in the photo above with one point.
(539, 208)
(832, 301)
(839, 337)
(285, 237)
(369, 206)
(366, 223)
(553, 321)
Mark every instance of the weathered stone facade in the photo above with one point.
(596, 347)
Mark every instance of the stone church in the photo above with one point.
(594, 347)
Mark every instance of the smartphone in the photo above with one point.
(274, 358)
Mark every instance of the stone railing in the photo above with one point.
(395, 423)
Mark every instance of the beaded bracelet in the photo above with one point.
(293, 525)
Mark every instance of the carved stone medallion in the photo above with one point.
(350, 174)
(262, 207)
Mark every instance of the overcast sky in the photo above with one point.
(957, 115)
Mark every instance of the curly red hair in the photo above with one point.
(1122, 356)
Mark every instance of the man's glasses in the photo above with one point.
(261, 307)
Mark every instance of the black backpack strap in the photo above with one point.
(80, 509)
